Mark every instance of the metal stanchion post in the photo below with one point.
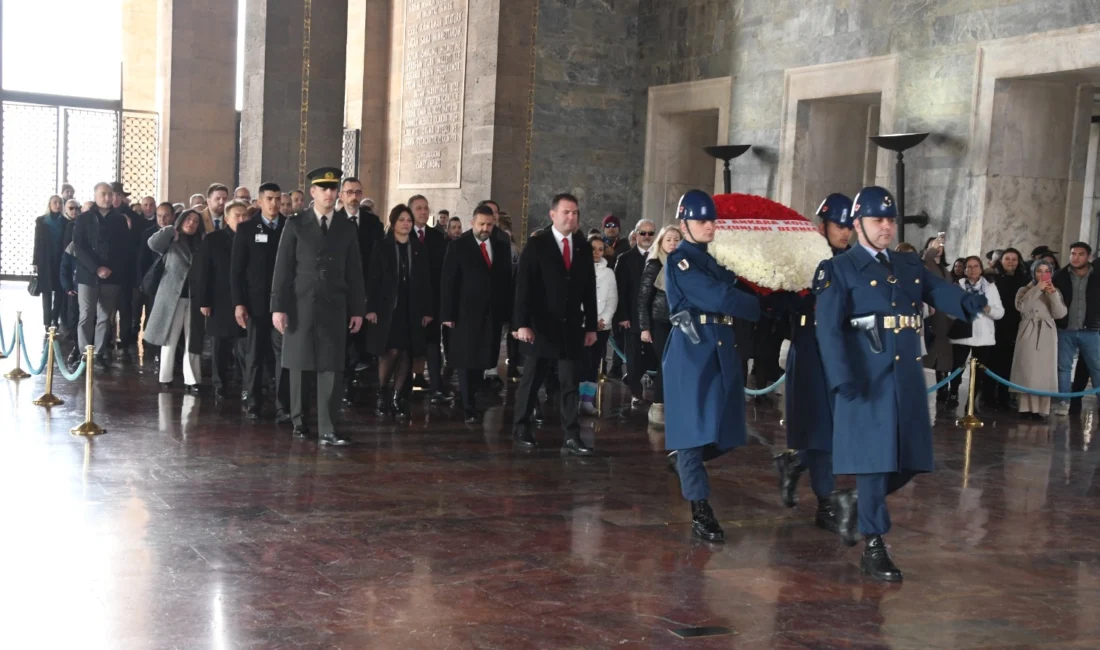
(17, 372)
(48, 399)
(600, 379)
(971, 420)
(88, 427)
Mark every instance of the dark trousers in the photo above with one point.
(619, 335)
(1001, 363)
(328, 399)
(660, 331)
(222, 353)
(593, 356)
(433, 354)
(874, 517)
(535, 371)
(70, 316)
(127, 333)
(987, 387)
(635, 361)
(1080, 382)
(512, 346)
(263, 357)
(767, 341)
(52, 304)
(694, 482)
(469, 383)
(820, 465)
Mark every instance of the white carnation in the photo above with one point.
(778, 255)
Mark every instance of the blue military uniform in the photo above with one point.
(704, 385)
(868, 330)
(809, 412)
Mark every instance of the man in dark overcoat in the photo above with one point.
(628, 278)
(317, 297)
(555, 318)
(476, 301)
(809, 401)
(370, 232)
(254, 249)
(211, 276)
(869, 333)
(435, 245)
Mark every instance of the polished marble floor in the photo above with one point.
(187, 527)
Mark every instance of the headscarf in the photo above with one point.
(662, 256)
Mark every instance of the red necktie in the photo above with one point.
(485, 254)
(565, 255)
(421, 236)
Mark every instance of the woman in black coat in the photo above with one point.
(653, 312)
(49, 231)
(399, 305)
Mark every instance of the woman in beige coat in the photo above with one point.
(1035, 364)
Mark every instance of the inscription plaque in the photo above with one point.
(433, 90)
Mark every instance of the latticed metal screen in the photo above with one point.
(91, 149)
(350, 159)
(30, 177)
(140, 153)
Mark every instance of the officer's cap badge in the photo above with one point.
(683, 265)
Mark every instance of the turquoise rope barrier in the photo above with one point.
(11, 346)
(63, 368)
(770, 389)
(622, 357)
(946, 380)
(1039, 393)
(26, 357)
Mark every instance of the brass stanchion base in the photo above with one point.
(17, 373)
(48, 400)
(87, 429)
(971, 421)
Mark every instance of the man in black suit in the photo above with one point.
(476, 302)
(212, 291)
(370, 231)
(555, 318)
(253, 267)
(628, 277)
(436, 244)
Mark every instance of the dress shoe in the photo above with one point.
(846, 509)
(941, 396)
(400, 407)
(442, 397)
(673, 464)
(952, 403)
(537, 415)
(524, 439)
(472, 416)
(334, 440)
(703, 522)
(191, 389)
(575, 447)
(382, 407)
(789, 471)
(301, 431)
(825, 517)
(252, 413)
(513, 374)
(281, 417)
(876, 561)
(125, 357)
(219, 394)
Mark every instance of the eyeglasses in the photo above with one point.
(646, 233)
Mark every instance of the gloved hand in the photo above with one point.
(849, 390)
(973, 304)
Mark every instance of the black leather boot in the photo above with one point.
(845, 506)
(400, 407)
(789, 470)
(876, 561)
(382, 408)
(825, 517)
(703, 522)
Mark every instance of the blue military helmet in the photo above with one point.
(875, 202)
(837, 208)
(696, 205)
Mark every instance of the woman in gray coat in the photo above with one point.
(1035, 364)
(173, 313)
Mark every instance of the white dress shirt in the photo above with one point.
(561, 248)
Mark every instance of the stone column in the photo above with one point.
(294, 66)
(139, 55)
(365, 91)
(196, 73)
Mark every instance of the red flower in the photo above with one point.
(750, 206)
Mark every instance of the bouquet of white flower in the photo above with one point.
(768, 245)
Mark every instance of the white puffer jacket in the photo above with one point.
(984, 332)
(607, 293)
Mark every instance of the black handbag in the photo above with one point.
(960, 329)
(32, 287)
(151, 280)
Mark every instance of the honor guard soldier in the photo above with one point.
(317, 297)
(704, 387)
(809, 411)
(868, 330)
